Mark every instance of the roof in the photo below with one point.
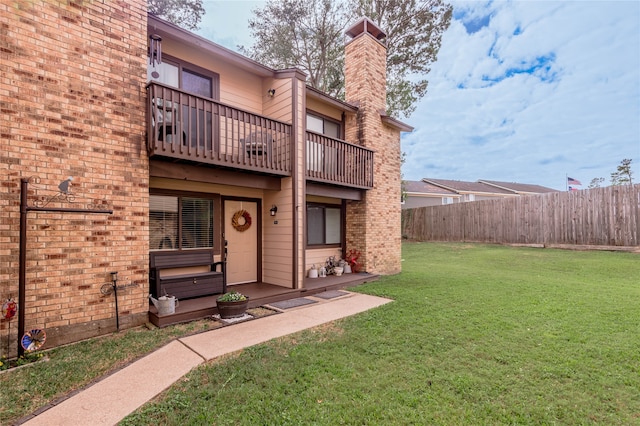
(519, 188)
(459, 186)
(320, 95)
(421, 187)
(394, 122)
(164, 28)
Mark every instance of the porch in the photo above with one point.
(259, 294)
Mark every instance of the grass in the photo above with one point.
(477, 334)
(72, 367)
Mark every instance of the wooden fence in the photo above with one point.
(603, 216)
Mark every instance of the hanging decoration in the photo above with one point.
(235, 220)
(9, 309)
(33, 339)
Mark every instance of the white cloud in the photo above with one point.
(537, 91)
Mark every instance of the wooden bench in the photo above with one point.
(186, 274)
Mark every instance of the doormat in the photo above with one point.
(331, 294)
(292, 303)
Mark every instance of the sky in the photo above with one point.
(522, 91)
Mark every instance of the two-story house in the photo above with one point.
(184, 147)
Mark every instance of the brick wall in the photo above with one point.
(373, 224)
(72, 76)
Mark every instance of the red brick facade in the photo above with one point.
(72, 77)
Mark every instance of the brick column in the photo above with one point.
(373, 224)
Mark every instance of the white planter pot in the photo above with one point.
(313, 273)
(338, 270)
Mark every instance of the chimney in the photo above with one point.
(366, 66)
(373, 223)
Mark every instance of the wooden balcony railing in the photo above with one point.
(187, 127)
(334, 161)
(183, 126)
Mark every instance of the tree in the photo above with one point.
(309, 35)
(623, 174)
(301, 33)
(184, 13)
(414, 34)
(596, 182)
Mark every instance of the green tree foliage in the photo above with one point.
(596, 182)
(301, 33)
(414, 34)
(309, 34)
(184, 13)
(623, 174)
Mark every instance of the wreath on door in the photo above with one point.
(235, 220)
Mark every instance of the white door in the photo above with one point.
(242, 249)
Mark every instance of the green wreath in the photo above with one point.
(235, 220)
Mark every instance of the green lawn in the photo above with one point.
(477, 334)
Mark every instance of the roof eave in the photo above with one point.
(164, 28)
(323, 97)
(394, 122)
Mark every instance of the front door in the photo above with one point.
(242, 249)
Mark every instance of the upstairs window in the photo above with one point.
(324, 126)
(183, 75)
(180, 222)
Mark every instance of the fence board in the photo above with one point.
(607, 216)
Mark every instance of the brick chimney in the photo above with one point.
(373, 223)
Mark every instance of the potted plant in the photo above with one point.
(232, 304)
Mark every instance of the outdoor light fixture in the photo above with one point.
(271, 92)
(273, 210)
(114, 277)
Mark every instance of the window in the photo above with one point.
(320, 158)
(324, 224)
(180, 222)
(324, 126)
(447, 200)
(185, 76)
(196, 124)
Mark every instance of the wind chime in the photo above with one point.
(155, 53)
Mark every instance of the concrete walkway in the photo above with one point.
(116, 396)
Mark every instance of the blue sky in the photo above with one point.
(525, 91)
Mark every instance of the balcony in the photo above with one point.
(186, 127)
(183, 126)
(338, 162)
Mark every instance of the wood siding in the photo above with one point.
(602, 217)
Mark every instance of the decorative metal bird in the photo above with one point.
(65, 185)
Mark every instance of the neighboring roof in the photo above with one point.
(459, 186)
(519, 188)
(419, 187)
